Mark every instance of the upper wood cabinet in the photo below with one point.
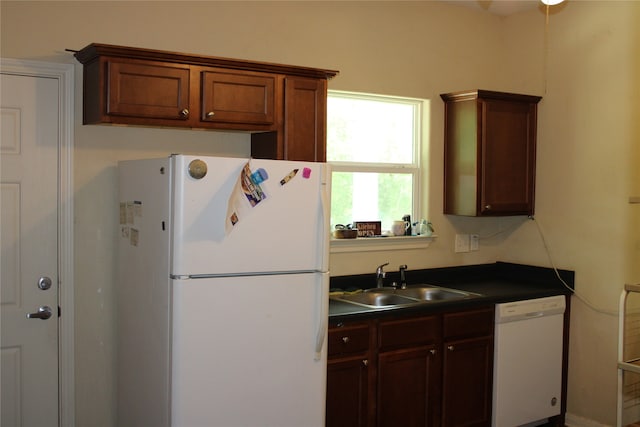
(283, 106)
(490, 150)
(138, 91)
(305, 129)
(238, 97)
(305, 115)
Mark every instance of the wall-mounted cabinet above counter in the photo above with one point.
(283, 106)
(490, 153)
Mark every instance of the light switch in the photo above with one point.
(462, 243)
(474, 242)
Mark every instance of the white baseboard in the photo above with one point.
(576, 421)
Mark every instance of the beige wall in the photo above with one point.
(588, 162)
(588, 151)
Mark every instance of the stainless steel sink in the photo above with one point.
(392, 297)
(434, 293)
(377, 299)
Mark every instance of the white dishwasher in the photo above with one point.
(527, 370)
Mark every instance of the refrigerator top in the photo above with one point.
(236, 216)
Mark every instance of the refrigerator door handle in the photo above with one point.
(325, 199)
(323, 312)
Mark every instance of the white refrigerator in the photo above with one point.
(222, 292)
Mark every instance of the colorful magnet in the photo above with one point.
(287, 178)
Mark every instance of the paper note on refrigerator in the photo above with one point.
(246, 195)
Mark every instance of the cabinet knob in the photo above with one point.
(365, 362)
(345, 339)
(210, 114)
(450, 348)
(432, 351)
(487, 207)
(184, 113)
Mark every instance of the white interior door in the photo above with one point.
(29, 230)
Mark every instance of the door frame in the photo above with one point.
(64, 73)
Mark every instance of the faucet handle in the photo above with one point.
(403, 279)
(380, 275)
(380, 269)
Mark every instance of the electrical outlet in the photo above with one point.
(474, 242)
(462, 243)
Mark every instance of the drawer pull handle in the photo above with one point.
(345, 340)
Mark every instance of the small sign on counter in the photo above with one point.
(368, 228)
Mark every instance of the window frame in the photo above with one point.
(414, 169)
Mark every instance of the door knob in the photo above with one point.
(43, 313)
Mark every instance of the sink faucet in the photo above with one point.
(403, 278)
(380, 275)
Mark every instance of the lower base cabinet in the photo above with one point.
(348, 384)
(407, 387)
(467, 368)
(433, 370)
(467, 382)
(349, 375)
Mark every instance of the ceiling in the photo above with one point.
(498, 7)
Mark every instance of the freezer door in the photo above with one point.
(285, 231)
(244, 351)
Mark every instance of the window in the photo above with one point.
(373, 145)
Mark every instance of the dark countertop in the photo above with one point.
(497, 283)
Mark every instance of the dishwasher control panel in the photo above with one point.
(520, 310)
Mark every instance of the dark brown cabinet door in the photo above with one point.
(408, 383)
(305, 124)
(408, 371)
(349, 375)
(467, 382)
(490, 149)
(151, 90)
(347, 392)
(305, 119)
(238, 97)
(507, 168)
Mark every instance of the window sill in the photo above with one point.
(367, 244)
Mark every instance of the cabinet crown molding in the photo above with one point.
(95, 50)
(489, 94)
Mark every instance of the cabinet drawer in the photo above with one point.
(469, 323)
(348, 339)
(408, 332)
